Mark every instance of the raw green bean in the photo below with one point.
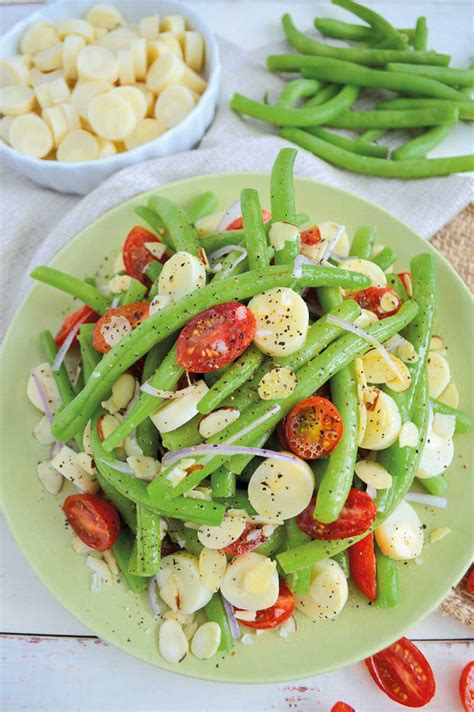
(379, 24)
(238, 374)
(299, 582)
(215, 240)
(182, 233)
(341, 72)
(72, 285)
(327, 92)
(153, 270)
(359, 55)
(420, 40)
(364, 149)
(202, 205)
(419, 168)
(240, 500)
(283, 204)
(136, 292)
(337, 480)
(89, 356)
(385, 258)
(434, 485)
(186, 435)
(289, 116)
(223, 483)
(463, 420)
(171, 318)
(148, 541)
(126, 508)
(363, 242)
(122, 550)
(466, 107)
(90, 280)
(421, 145)
(215, 612)
(412, 118)
(154, 221)
(310, 377)
(371, 135)
(273, 544)
(66, 391)
(447, 75)
(388, 580)
(342, 558)
(354, 33)
(254, 230)
(296, 90)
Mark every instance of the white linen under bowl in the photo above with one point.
(84, 176)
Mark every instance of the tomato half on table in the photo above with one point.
(84, 315)
(466, 687)
(363, 566)
(251, 537)
(356, 517)
(312, 236)
(382, 301)
(403, 673)
(238, 223)
(275, 615)
(95, 520)
(313, 428)
(113, 323)
(342, 707)
(215, 337)
(136, 257)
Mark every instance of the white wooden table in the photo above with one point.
(52, 663)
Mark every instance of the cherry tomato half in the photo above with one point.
(357, 517)
(403, 673)
(466, 687)
(311, 236)
(135, 314)
(313, 428)
(275, 615)
(238, 223)
(84, 315)
(342, 707)
(406, 280)
(362, 566)
(251, 537)
(135, 255)
(95, 520)
(215, 337)
(371, 299)
(469, 583)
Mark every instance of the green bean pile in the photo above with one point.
(433, 97)
(178, 519)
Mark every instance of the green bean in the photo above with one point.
(337, 480)
(72, 285)
(364, 149)
(254, 230)
(273, 544)
(421, 145)
(412, 118)
(299, 582)
(310, 377)
(136, 292)
(327, 92)
(215, 612)
(342, 558)
(385, 258)
(148, 541)
(359, 55)
(283, 204)
(363, 242)
(89, 356)
(182, 233)
(212, 242)
(153, 270)
(378, 23)
(341, 72)
(155, 222)
(146, 433)
(394, 281)
(122, 550)
(171, 318)
(463, 420)
(466, 107)
(435, 485)
(66, 391)
(186, 435)
(388, 580)
(355, 33)
(419, 168)
(296, 90)
(126, 508)
(185, 537)
(238, 374)
(371, 135)
(447, 75)
(240, 500)
(223, 483)
(420, 41)
(202, 205)
(231, 265)
(289, 116)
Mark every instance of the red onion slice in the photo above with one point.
(222, 449)
(153, 597)
(332, 243)
(232, 213)
(43, 397)
(427, 499)
(233, 624)
(120, 466)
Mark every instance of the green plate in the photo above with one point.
(122, 618)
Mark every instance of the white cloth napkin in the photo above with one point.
(37, 222)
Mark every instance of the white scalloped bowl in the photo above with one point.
(83, 177)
